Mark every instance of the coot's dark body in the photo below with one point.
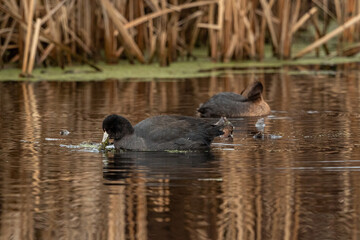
(162, 133)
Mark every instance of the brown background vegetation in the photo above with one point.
(54, 32)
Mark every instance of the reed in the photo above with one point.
(60, 32)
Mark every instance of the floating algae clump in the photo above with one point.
(104, 144)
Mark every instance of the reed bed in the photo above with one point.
(60, 32)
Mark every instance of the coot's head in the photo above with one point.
(116, 127)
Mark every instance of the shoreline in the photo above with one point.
(182, 69)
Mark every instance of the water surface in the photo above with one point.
(304, 183)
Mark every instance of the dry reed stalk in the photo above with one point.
(358, 26)
(242, 31)
(221, 11)
(119, 51)
(3, 31)
(294, 14)
(21, 32)
(109, 39)
(152, 5)
(15, 58)
(152, 40)
(34, 45)
(328, 36)
(25, 8)
(51, 27)
(303, 19)
(28, 36)
(52, 11)
(350, 8)
(338, 11)
(268, 16)
(131, 10)
(126, 39)
(13, 5)
(5, 21)
(141, 29)
(162, 54)
(251, 37)
(261, 40)
(284, 50)
(1, 60)
(76, 39)
(78, 16)
(7, 40)
(231, 48)
(324, 8)
(220, 30)
(235, 32)
(195, 32)
(351, 51)
(12, 46)
(326, 18)
(57, 35)
(165, 11)
(227, 27)
(236, 29)
(172, 33)
(46, 52)
(87, 28)
(53, 31)
(23, 24)
(63, 25)
(212, 34)
(318, 34)
(347, 15)
(188, 24)
(75, 55)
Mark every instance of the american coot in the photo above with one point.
(250, 103)
(163, 132)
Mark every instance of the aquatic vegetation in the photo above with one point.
(178, 70)
(104, 144)
(89, 147)
(177, 151)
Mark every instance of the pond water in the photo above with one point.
(302, 183)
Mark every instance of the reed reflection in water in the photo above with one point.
(304, 185)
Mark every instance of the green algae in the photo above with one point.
(88, 144)
(103, 145)
(202, 67)
(178, 151)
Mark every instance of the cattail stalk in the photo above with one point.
(28, 36)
